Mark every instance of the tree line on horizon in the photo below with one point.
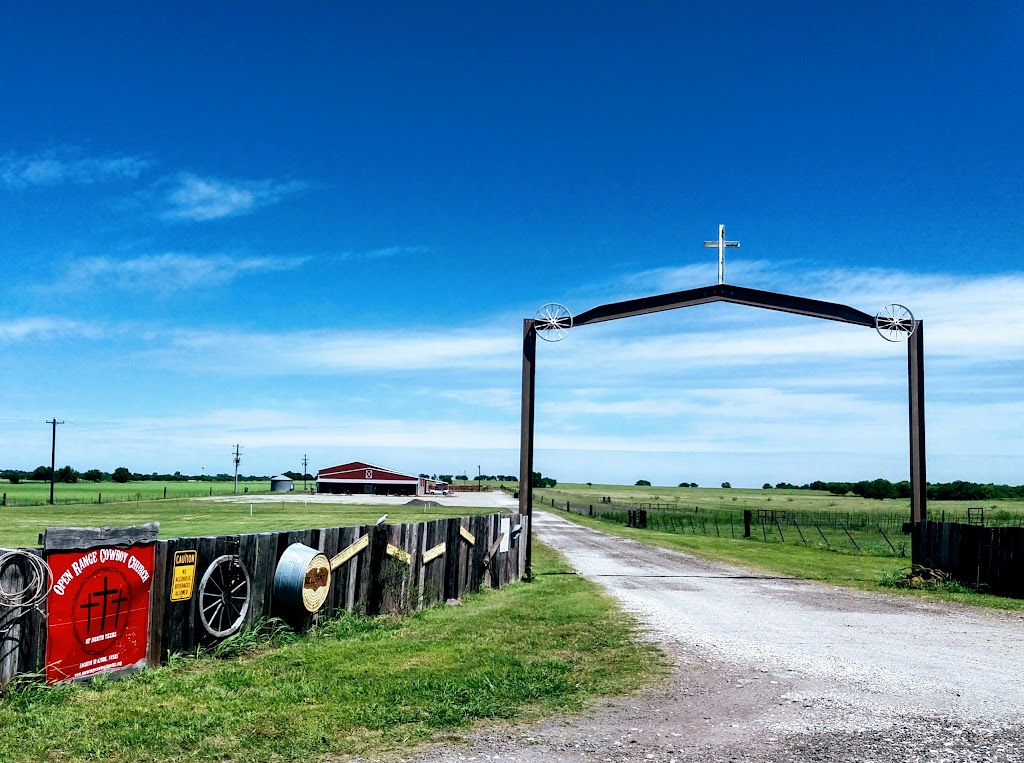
(69, 475)
(958, 490)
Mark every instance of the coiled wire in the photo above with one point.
(36, 584)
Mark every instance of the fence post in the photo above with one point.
(886, 538)
(801, 532)
(4, 501)
(850, 537)
(746, 523)
(165, 491)
(99, 498)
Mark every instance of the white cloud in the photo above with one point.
(270, 438)
(199, 199)
(342, 352)
(385, 252)
(67, 165)
(170, 271)
(46, 328)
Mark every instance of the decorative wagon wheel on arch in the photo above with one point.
(553, 322)
(224, 596)
(894, 323)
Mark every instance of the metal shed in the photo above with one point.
(281, 484)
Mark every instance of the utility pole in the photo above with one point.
(238, 460)
(479, 482)
(305, 465)
(53, 454)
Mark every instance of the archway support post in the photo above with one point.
(526, 437)
(915, 380)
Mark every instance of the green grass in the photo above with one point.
(38, 493)
(20, 525)
(867, 572)
(356, 686)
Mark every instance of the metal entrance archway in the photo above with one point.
(741, 296)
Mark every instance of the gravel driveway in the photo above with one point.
(776, 669)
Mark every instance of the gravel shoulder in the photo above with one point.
(778, 669)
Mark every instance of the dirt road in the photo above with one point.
(771, 669)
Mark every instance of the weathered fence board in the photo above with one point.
(990, 558)
(23, 625)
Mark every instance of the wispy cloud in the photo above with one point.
(341, 352)
(46, 328)
(383, 252)
(67, 165)
(195, 198)
(163, 272)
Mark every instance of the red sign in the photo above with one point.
(98, 611)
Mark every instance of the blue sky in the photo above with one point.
(317, 229)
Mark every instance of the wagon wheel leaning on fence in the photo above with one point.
(224, 596)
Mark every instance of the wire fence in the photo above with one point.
(80, 495)
(875, 534)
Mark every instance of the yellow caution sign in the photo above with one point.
(184, 576)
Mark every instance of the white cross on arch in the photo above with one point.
(721, 244)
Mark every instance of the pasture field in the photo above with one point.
(30, 493)
(179, 517)
(807, 501)
(354, 686)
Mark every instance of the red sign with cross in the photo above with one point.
(98, 611)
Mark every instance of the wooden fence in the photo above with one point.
(990, 558)
(387, 569)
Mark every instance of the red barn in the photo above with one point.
(360, 478)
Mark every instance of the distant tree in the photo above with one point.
(785, 486)
(726, 484)
(877, 489)
(766, 486)
(839, 488)
(66, 475)
(903, 489)
(449, 478)
(694, 484)
(590, 484)
(121, 474)
(93, 475)
(539, 480)
(41, 473)
(818, 485)
(14, 479)
(293, 475)
(425, 476)
(642, 483)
